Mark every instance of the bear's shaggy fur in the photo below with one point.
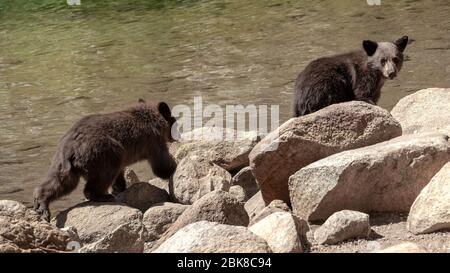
(98, 148)
(357, 75)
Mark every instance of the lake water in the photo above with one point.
(59, 63)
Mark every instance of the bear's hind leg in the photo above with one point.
(120, 184)
(56, 185)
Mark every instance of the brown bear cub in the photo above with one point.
(99, 147)
(357, 75)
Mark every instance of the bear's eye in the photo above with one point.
(396, 60)
(383, 61)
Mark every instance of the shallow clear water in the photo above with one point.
(58, 63)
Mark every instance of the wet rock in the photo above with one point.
(303, 140)
(423, 111)
(142, 196)
(210, 237)
(386, 177)
(430, 211)
(282, 232)
(343, 225)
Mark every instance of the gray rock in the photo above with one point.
(246, 180)
(407, 247)
(238, 192)
(226, 148)
(282, 231)
(303, 140)
(424, 111)
(126, 238)
(254, 205)
(343, 225)
(217, 206)
(274, 206)
(130, 177)
(23, 231)
(386, 177)
(195, 177)
(209, 237)
(160, 217)
(142, 196)
(430, 211)
(109, 227)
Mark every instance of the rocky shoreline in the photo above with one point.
(351, 177)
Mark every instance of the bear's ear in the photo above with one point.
(370, 47)
(164, 109)
(141, 100)
(402, 43)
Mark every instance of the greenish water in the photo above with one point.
(59, 63)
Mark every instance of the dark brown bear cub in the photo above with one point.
(99, 147)
(356, 75)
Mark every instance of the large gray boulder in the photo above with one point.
(23, 231)
(431, 210)
(385, 177)
(426, 110)
(210, 237)
(217, 206)
(303, 140)
(110, 227)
